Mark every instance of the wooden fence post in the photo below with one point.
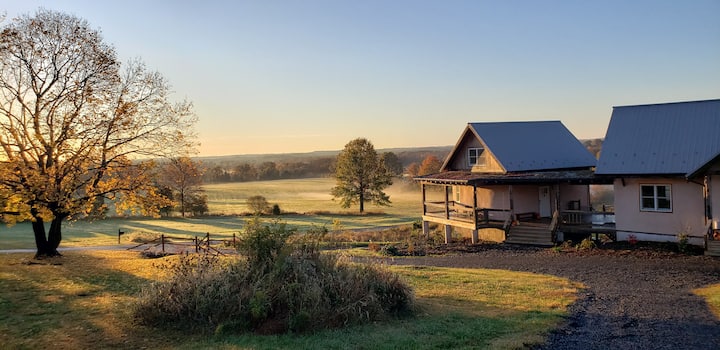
(208, 241)
(162, 242)
(196, 244)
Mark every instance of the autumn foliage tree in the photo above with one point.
(361, 176)
(430, 165)
(74, 124)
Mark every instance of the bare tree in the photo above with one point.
(73, 124)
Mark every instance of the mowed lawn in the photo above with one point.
(85, 300)
(308, 199)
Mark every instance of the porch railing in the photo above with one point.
(584, 217)
(454, 210)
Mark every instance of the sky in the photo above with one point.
(291, 76)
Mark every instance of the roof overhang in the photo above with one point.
(570, 176)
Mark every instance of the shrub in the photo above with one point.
(683, 243)
(258, 204)
(282, 284)
(389, 250)
(586, 244)
(275, 209)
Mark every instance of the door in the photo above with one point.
(544, 202)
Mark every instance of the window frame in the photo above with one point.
(479, 156)
(656, 198)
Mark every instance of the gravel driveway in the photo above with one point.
(633, 299)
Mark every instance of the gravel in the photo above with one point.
(634, 298)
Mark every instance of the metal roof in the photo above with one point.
(661, 139)
(533, 145)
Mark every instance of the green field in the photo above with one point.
(308, 199)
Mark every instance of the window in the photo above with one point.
(476, 157)
(655, 198)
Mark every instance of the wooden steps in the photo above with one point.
(537, 235)
(713, 248)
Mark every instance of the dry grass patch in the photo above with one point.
(711, 294)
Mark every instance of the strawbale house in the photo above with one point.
(511, 181)
(664, 160)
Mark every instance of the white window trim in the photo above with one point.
(655, 197)
(480, 156)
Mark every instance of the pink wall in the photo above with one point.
(687, 211)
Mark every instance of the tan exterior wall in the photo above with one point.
(687, 211)
(569, 193)
(525, 197)
(459, 159)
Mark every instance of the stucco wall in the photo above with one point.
(687, 211)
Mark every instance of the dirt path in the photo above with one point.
(632, 301)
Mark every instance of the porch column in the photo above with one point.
(447, 203)
(448, 234)
(422, 189)
(475, 208)
(512, 204)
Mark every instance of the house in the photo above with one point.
(510, 181)
(664, 160)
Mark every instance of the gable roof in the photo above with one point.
(529, 146)
(661, 139)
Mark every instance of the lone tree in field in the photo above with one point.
(361, 176)
(73, 125)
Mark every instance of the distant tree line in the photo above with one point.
(321, 166)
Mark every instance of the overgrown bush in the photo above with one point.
(282, 284)
(586, 244)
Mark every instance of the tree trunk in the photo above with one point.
(47, 247)
(41, 243)
(362, 202)
(55, 233)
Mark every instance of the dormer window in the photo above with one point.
(476, 157)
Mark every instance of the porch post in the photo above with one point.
(447, 203)
(426, 228)
(557, 198)
(424, 207)
(448, 234)
(474, 236)
(512, 204)
(475, 209)
(708, 199)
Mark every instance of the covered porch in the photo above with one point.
(526, 208)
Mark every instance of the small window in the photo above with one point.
(655, 198)
(476, 157)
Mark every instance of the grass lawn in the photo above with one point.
(84, 300)
(226, 200)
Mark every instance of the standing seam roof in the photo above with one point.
(528, 146)
(672, 138)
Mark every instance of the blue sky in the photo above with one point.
(297, 76)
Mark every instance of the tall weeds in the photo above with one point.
(281, 284)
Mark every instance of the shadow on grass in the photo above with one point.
(71, 302)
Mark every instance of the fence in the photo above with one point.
(172, 245)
